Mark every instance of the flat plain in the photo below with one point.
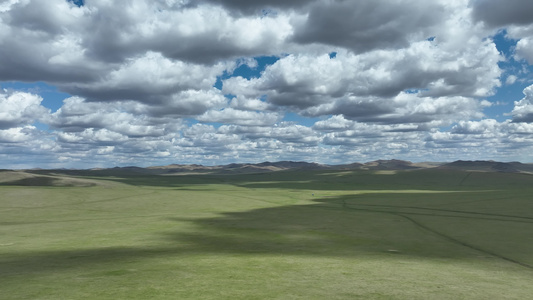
(322, 234)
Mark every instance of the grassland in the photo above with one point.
(426, 234)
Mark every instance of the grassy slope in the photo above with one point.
(285, 235)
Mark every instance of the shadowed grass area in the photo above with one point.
(13, 178)
(284, 235)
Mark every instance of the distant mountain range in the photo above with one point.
(61, 177)
(68, 177)
(244, 168)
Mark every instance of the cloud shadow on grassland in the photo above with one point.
(344, 226)
(332, 227)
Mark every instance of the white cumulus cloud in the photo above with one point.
(20, 108)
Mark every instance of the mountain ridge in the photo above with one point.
(267, 166)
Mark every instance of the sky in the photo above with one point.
(101, 83)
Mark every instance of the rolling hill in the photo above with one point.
(56, 176)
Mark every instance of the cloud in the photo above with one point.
(368, 25)
(523, 109)
(240, 117)
(524, 35)
(487, 126)
(243, 103)
(90, 135)
(404, 108)
(500, 13)
(511, 79)
(53, 31)
(200, 34)
(524, 49)
(148, 78)
(352, 80)
(283, 133)
(502, 141)
(103, 50)
(20, 108)
(418, 84)
(514, 16)
(27, 147)
(186, 104)
(77, 115)
(17, 134)
(259, 6)
(334, 123)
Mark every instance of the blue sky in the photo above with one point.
(94, 84)
(508, 93)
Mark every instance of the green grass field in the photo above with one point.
(428, 234)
